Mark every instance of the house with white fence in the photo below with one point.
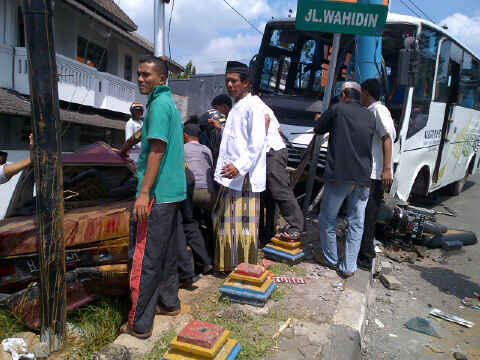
(98, 51)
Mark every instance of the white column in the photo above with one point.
(159, 31)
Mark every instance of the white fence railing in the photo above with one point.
(81, 84)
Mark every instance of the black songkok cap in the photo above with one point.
(236, 67)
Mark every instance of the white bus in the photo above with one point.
(437, 118)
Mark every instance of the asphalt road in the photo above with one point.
(440, 281)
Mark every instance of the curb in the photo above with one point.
(348, 324)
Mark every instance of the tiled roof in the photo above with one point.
(112, 11)
(13, 103)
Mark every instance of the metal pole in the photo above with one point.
(160, 37)
(327, 97)
(47, 160)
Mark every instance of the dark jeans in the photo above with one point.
(154, 274)
(367, 250)
(279, 193)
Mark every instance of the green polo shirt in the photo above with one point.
(163, 122)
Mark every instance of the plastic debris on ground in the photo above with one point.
(289, 280)
(379, 324)
(422, 325)
(451, 318)
(17, 347)
(472, 303)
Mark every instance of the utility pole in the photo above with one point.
(160, 38)
(47, 159)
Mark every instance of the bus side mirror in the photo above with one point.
(407, 67)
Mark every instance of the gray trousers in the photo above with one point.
(279, 193)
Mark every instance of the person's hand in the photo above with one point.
(229, 171)
(387, 178)
(215, 123)
(30, 141)
(140, 211)
(317, 117)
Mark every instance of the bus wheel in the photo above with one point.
(419, 191)
(456, 188)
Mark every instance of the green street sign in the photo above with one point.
(341, 17)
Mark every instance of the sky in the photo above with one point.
(209, 33)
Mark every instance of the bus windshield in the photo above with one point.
(295, 63)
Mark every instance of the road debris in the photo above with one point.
(393, 335)
(289, 280)
(435, 349)
(17, 347)
(379, 324)
(471, 303)
(458, 355)
(282, 328)
(390, 282)
(422, 325)
(451, 318)
(385, 268)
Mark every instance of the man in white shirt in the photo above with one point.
(7, 170)
(133, 125)
(241, 174)
(382, 173)
(278, 182)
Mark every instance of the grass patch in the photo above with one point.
(285, 269)
(99, 322)
(10, 325)
(161, 346)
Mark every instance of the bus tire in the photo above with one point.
(457, 187)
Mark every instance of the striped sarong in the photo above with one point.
(235, 223)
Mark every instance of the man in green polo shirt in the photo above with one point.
(161, 189)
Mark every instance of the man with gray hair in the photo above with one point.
(346, 177)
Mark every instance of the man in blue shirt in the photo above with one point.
(161, 189)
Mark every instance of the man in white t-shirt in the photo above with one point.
(133, 125)
(278, 182)
(382, 169)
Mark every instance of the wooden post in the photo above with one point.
(47, 159)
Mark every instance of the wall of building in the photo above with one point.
(200, 90)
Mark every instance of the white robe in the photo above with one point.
(243, 145)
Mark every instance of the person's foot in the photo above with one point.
(364, 264)
(188, 283)
(345, 275)
(160, 310)
(319, 258)
(207, 269)
(127, 329)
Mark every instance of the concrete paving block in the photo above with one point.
(250, 270)
(201, 333)
(385, 268)
(390, 282)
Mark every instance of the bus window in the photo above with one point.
(476, 82)
(450, 57)
(466, 95)
(422, 94)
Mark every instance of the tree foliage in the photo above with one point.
(190, 70)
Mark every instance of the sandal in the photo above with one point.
(289, 235)
(127, 329)
(162, 311)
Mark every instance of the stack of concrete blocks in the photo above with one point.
(200, 340)
(249, 284)
(284, 250)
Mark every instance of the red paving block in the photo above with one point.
(250, 270)
(267, 263)
(201, 333)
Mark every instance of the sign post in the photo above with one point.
(341, 17)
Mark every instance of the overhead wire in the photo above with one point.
(421, 11)
(243, 17)
(409, 8)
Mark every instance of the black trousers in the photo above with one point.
(279, 193)
(154, 274)
(192, 236)
(186, 267)
(367, 249)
